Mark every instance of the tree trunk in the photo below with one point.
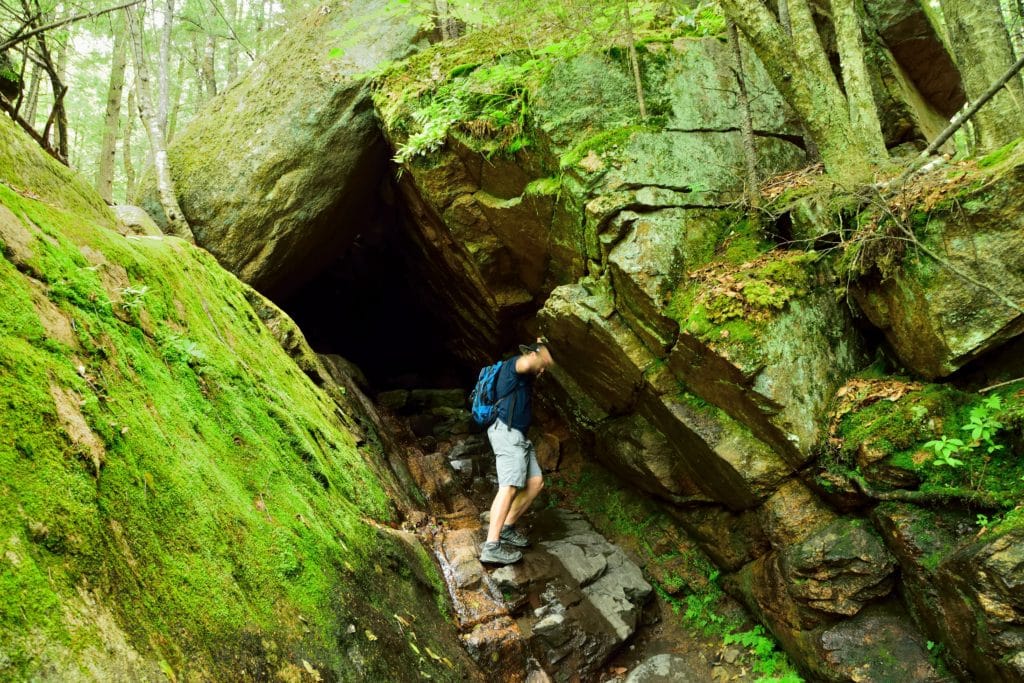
(1013, 14)
(60, 90)
(209, 71)
(59, 142)
(635, 61)
(750, 186)
(126, 147)
(814, 95)
(232, 56)
(163, 68)
(21, 78)
(863, 111)
(176, 223)
(197, 65)
(108, 147)
(261, 21)
(172, 122)
(982, 52)
(32, 99)
(787, 25)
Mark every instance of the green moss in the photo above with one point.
(229, 516)
(599, 143)
(731, 300)
(1000, 155)
(544, 187)
(899, 430)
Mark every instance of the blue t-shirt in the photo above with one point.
(514, 409)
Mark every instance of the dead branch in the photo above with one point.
(18, 38)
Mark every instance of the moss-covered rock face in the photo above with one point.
(940, 314)
(177, 498)
(562, 186)
(277, 174)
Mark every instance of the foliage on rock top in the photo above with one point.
(746, 284)
(480, 85)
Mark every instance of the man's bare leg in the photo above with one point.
(521, 502)
(500, 510)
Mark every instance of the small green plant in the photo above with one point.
(983, 521)
(945, 451)
(768, 659)
(982, 425)
(132, 297)
(177, 348)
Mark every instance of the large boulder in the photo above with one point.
(963, 587)
(276, 175)
(591, 595)
(713, 454)
(180, 499)
(509, 229)
(946, 306)
(820, 595)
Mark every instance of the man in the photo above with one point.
(519, 475)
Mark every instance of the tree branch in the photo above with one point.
(231, 28)
(959, 120)
(57, 24)
(969, 498)
(30, 130)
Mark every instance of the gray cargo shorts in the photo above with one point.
(514, 454)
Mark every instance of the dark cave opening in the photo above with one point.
(371, 307)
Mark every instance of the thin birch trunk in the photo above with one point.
(750, 185)
(209, 64)
(796, 70)
(635, 61)
(21, 78)
(232, 56)
(981, 49)
(108, 147)
(172, 122)
(163, 68)
(787, 25)
(32, 99)
(176, 223)
(860, 100)
(126, 147)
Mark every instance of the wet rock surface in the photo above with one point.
(665, 669)
(577, 596)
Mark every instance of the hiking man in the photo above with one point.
(519, 475)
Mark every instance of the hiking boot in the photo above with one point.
(511, 536)
(495, 553)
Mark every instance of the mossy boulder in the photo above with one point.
(277, 174)
(763, 337)
(714, 454)
(981, 592)
(520, 208)
(179, 499)
(823, 597)
(921, 540)
(944, 307)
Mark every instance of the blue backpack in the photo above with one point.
(484, 398)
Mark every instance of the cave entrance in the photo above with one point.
(371, 307)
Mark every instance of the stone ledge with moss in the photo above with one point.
(178, 499)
